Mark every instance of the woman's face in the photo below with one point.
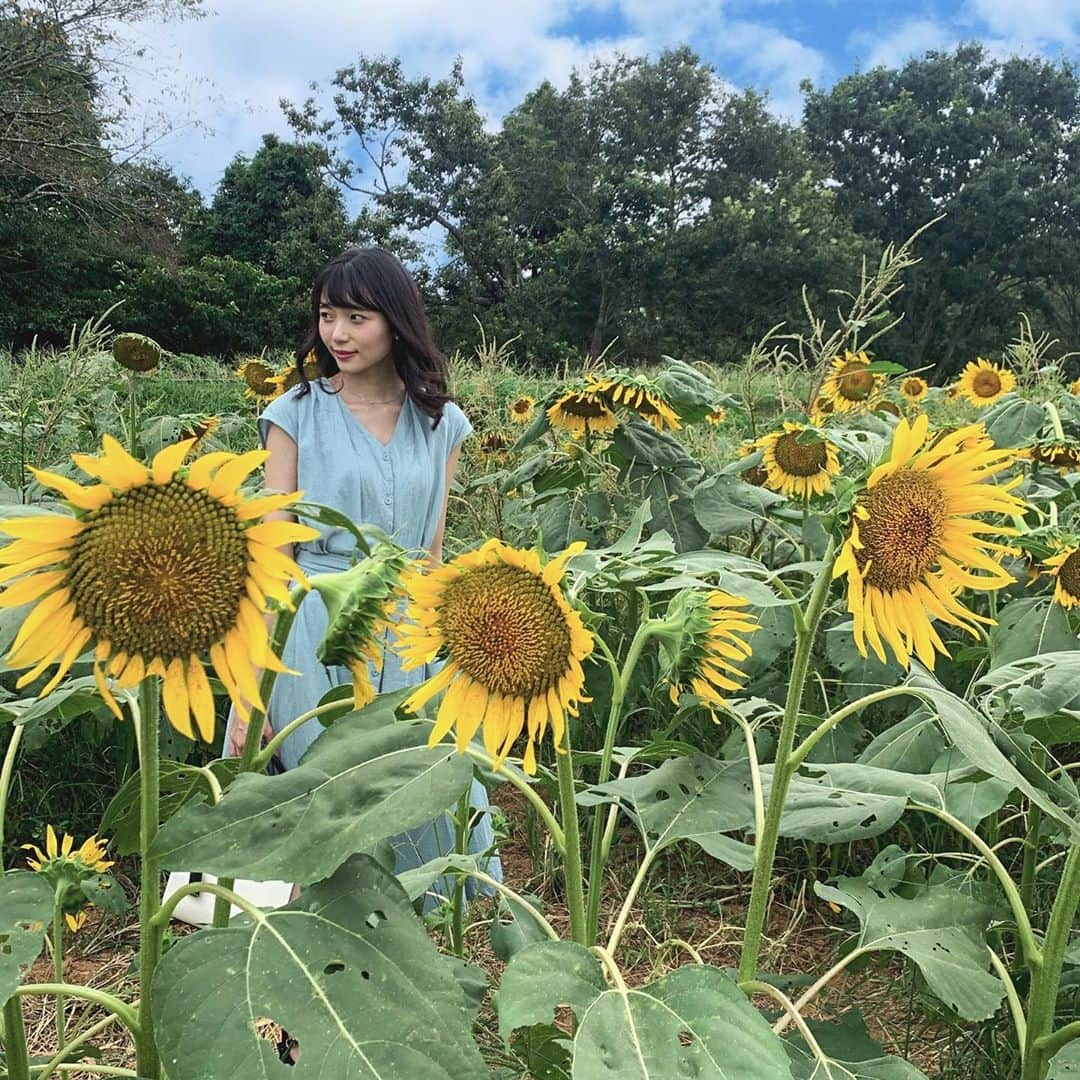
(359, 339)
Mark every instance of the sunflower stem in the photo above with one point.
(572, 870)
(1031, 844)
(6, 772)
(1055, 420)
(16, 1059)
(457, 902)
(133, 417)
(58, 970)
(620, 682)
(783, 769)
(150, 934)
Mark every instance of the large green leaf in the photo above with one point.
(544, 976)
(26, 910)
(939, 928)
(1013, 421)
(693, 1022)
(346, 968)
(638, 442)
(45, 717)
(688, 798)
(1035, 686)
(849, 1051)
(911, 745)
(360, 782)
(1027, 627)
(1065, 1064)
(672, 503)
(726, 505)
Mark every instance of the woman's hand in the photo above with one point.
(238, 736)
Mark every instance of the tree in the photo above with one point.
(990, 144)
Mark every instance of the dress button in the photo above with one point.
(388, 500)
(386, 457)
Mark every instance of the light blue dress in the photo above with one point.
(399, 487)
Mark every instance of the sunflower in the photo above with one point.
(638, 393)
(582, 412)
(513, 647)
(360, 603)
(887, 407)
(521, 409)
(494, 444)
(982, 383)
(716, 416)
(159, 565)
(1074, 387)
(66, 869)
(136, 352)
(198, 431)
(913, 544)
(850, 386)
(1059, 455)
(798, 465)
(707, 644)
(288, 376)
(755, 474)
(1065, 566)
(260, 380)
(952, 392)
(913, 389)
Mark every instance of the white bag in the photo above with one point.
(198, 908)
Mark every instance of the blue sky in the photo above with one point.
(216, 81)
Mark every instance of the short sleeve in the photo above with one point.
(283, 412)
(458, 428)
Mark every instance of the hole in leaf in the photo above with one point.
(661, 795)
(685, 1037)
(333, 968)
(365, 974)
(375, 918)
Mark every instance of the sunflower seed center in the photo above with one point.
(799, 458)
(1069, 575)
(986, 383)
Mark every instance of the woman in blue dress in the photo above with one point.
(376, 437)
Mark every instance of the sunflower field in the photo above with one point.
(772, 673)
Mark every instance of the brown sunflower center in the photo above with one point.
(799, 458)
(1063, 455)
(911, 387)
(521, 406)
(587, 405)
(986, 383)
(903, 534)
(160, 571)
(1069, 575)
(855, 383)
(505, 628)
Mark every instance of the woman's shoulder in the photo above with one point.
(289, 410)
(455, 422)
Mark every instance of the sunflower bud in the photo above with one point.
(136, 352)
(359, 603)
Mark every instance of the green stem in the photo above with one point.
(631, 896)
(6, 771)
(232, 899)
(457, 902)
(620, 681)
(15, 1057)
(1042, 1001)
(80, 1040)
(1051, 1044)
(1031, 845)
(575, 889)
(805, 632)
(1016, 1009)
(93, 1070)
(109, 1002)
(133, 417)
(262, 758)
(1055, 420)
(58, 971)
(148, 1063)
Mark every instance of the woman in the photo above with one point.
(376, 437)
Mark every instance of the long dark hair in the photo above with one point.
(374, 279)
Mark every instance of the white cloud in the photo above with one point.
(911, 38)
(1030, 25)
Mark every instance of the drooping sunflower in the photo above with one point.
(983, 383)
(360, 603)
(288, 376)
(1064, 566)
(260, 380)
(1058, 455)
(159, 565)
(707, 644)
(521, 409)
(198, 431)
(913, 389)
(638, 393)
(716, 416)
(850, 386)
(65, 869)
(512, 644)
(582, 412)
(798, 465)
(137, 352)
(914, 544)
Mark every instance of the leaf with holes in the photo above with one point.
(26, 903)
(356, 785)
(693, 798)
(1065, 1064)
(939, 928)
(542, 977)
(346, 968)
(693, 1022)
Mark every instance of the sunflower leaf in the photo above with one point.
(26, 901)
(693, 1022)
(725, 504)
(377, 999)
(850, 1053)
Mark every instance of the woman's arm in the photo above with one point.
(435, 557)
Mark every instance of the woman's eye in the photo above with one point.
(358, 318)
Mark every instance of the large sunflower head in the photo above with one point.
(137, 352)
(982, 383)
(638, 393)
(158, 566)
(914, 543)
(850, 386)
(582, 412)
(913, 389)
(708, 643)
(67, 869)
(1064, 567)
(797, 462)
(260, 380)
(512, 646)
(360, 603)
(521, 409)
